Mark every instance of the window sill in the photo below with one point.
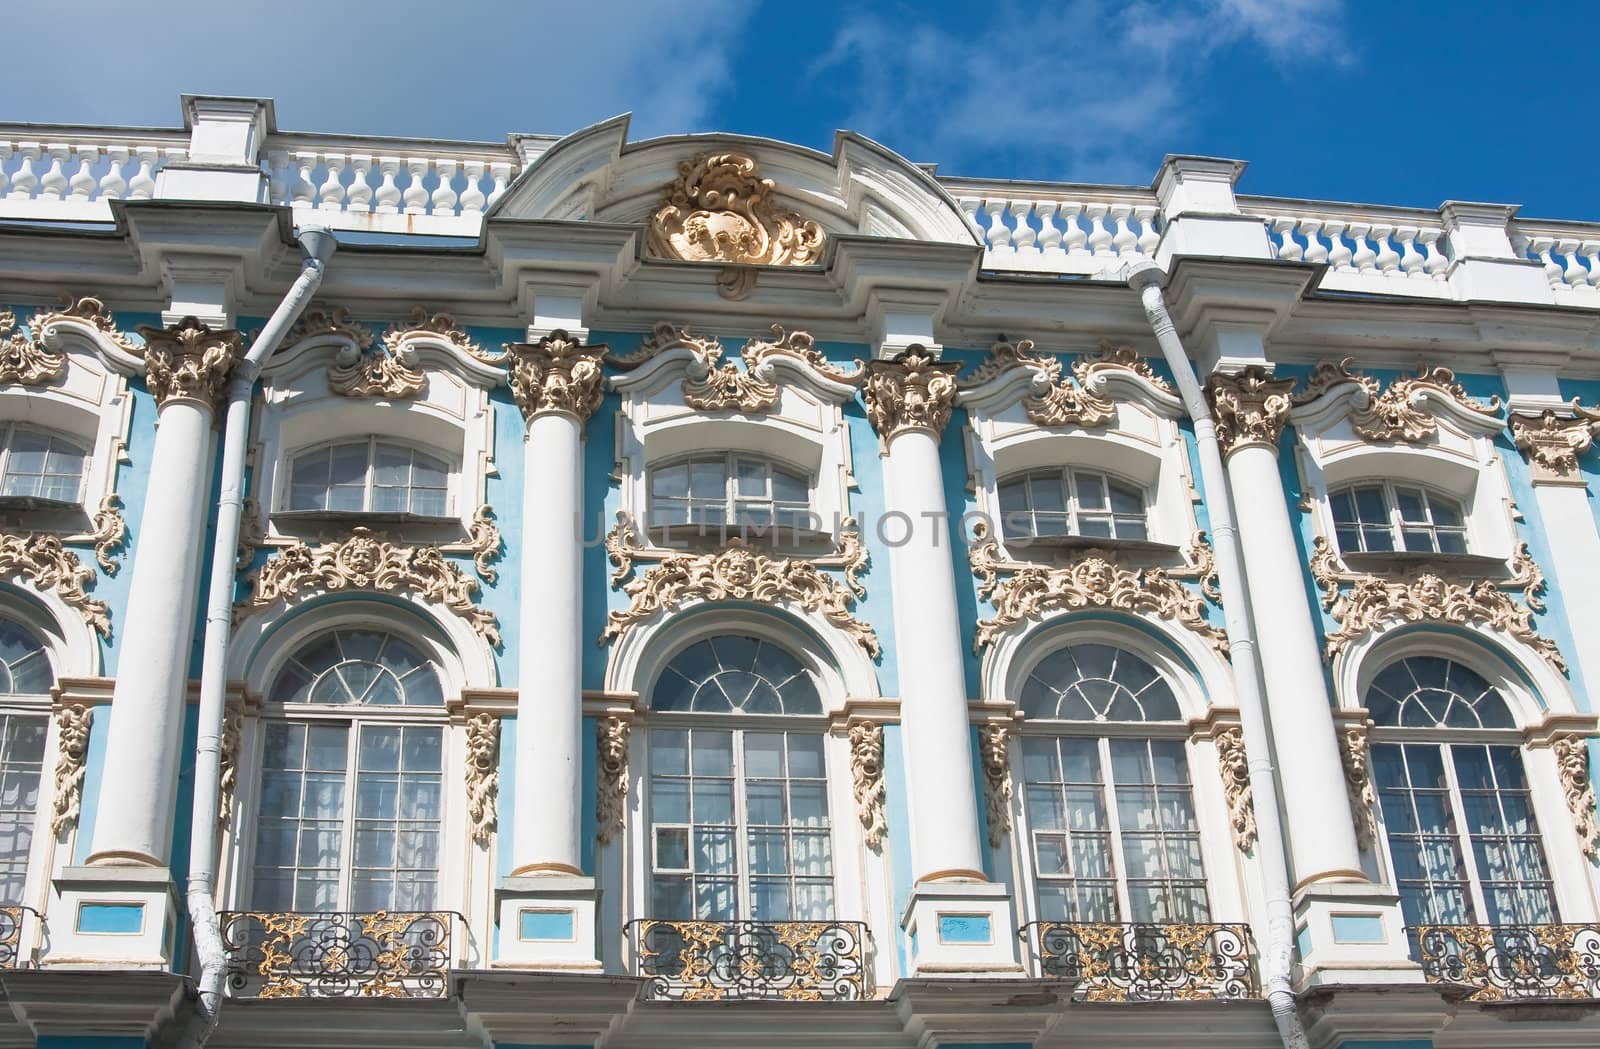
(1382, 562)
(706, 537)
(33, 514)
(366, 517)
(1148, 547)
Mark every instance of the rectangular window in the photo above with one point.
(21, 763)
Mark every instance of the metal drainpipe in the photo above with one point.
(318, 246)
(1277, 956)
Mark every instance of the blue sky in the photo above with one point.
(1399, 102)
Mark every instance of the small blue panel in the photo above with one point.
(965, 928)
(83, 1041)
(1302, 942)
(1396, 1043)
(545, 925)
(1358, 928)
(122, 918)
(527, 1045)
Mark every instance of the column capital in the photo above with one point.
(557, 374)
(1249, 406)
(1552, 443)
(915, 391)
(189, 361)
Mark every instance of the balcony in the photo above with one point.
(11, 922)
(1112, 962)
(1513, 963)
(380, 954)
(711, 961)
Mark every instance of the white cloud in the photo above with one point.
(1080, 91)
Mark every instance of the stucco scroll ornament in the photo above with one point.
(866, 774)
(109, 531)
(1235, 767)
(365, 561)
(611, 786)
(1572, 763)
(72, 754)
(557, 374)
(24, 361)
(1052, 400)
(483, 774)
(484, 542)
(1552, 443)
(1358, 783)
(1401, 411)
(1427, 597)
(441, 326)
(737, 573)
(228, 763)
(623, 548)
(389, 375)
(45, 563)
(190, 362)
(251, 534)
(1250, 407)
(1094, 581)
(994, 752)
(720, 209)
(915, 391)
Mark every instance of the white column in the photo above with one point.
(1250, 410)
(909, 403)
(557, 383)
(187, 369)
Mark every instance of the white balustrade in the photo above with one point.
(1353, 244)
(1570, 256)
(1065, 236)
(75, 177)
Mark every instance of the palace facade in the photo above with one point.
(592, 592)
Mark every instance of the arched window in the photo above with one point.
(732, 490)
(1111, 820)
(370, 476)
(739, 825)
(1457, 813)
(25, 680)
(38, 465)
(1385, 516)
(1047, 503)
(351, 790)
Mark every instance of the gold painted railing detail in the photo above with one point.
(712, 961)
(1513, 962)
(1146, 962)
(379, 954)
(11, 934)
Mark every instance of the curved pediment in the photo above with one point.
(801, 196)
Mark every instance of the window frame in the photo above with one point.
(731, 500)
(1397, 525)
(1068, 477)
(285, 507)
(8, 431)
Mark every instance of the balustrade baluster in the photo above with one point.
(1434, 261)
(1124, 239)
(1288, 247)
(1574, 275)
(277, 177)
(332, 189)
(24, 180)
(388, 195)
(5, 158)
(53, 183)
(998, 233)
(969, 208)
(416, 194)
(1149, 236)
(1076, 238)
(444, 194)
(1338, 250)
(1023, 236)
(143, 184)
(1316, 251)
(112, 183)
(1388, 259)
(83, 182)
(1541, 246)
(1049, 232)
(1365, 258)
(1410, 258)
(1590, 250)
(472, 193)
(302, 190)
(359, 197)
(501, 173)
(1099, 236)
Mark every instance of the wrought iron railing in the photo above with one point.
(1112, 962)
(704, 961)
(1513, 962)
(379, 954)
(11, 922)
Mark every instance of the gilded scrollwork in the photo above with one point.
(388, 375)
(109, 532)
(994, 753)
(47, 565)
(484, 542)
(24, 361)
(720, 209)
(1399, 411)
(87, 310)
(611, 785)
(365, 561)
(251, 535)
(915, 391)
(1428, 597)
(1054, 400)
(319, 320)
(623, 548)
(557, 374)
(866, 775)
(1094, 580)
(736, 573)
(1552, 443)
(73, 721)
(1572, 762)
(228, 759)
(1357, 763)
(1249, 407)
(1235, 768)
(190, 362)
(483, 774)
(716, 385)
(440, 326)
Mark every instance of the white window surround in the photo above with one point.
(805, 429)
(451, 418)
(370, 448)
